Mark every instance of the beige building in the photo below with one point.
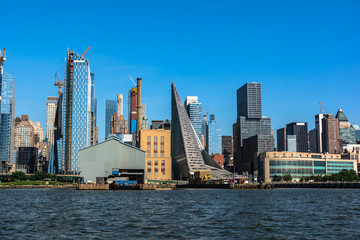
(23, 132)
(157, 144)
(38, 133)
(299, 164)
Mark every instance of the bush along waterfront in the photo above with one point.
(39, 178)
(343, 176)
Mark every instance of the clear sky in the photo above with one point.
(301, 51)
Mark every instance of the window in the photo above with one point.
(149, 163)
(156, 170)
(155, 146)
(148, 152)
(149, 170)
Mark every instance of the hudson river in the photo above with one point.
(180, 214)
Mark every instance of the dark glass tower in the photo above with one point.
(249, 100)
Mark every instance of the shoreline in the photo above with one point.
(38, 186)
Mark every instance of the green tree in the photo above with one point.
(277, 178)
(19, 176)
(287, 177)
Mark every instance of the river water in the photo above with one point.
(180, 214)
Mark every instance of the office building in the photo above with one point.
(110, 109)
(120, 104)
(145, 123)
(38, 133)
(215, 133)
(76, 117)
(51, 104)
(299, 137)
(205, 133)
(24, 132)
(132, 108)
(193, 109)
(118, 124)
(301, 164)
(313, 141)
(251, 149)
(226, 149)
(157, 144)
(93, 114)
(357, 133)
(346, 131)
(7, 113)
(26, 160)
(187, 153)
(249, 101)
(327, 133)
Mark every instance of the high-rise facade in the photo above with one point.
(51, 104)
(120, 104)
(327, 134)
(7, 111)
(24, 132)
(76, 118)
(132, 108)
(93, 114)
(7, 114)
(346, 130)
(193, 108)
(227, 149)
(250, 121)
(110, 109)
(38, 133)
(297, 129)
(249, 100)
(215, 133)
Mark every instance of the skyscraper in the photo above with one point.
(38, 133)
(327, 133)
(120, 104)
(297, 129)
(250, 121)
(215, 133)
(93, 114)
(24, 132)
(110, 109)
(51, 104)
(227, 149)
(76, 112)
(7, 112)
(346, 130)
(193, 108)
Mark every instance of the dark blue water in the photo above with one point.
(180, 214)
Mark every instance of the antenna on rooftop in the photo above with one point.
(322, 107)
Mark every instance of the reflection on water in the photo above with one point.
(180, 214)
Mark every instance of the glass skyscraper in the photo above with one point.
(110, 109)
(214, 136)
(76, 112)
(193, 108)
(7, 116)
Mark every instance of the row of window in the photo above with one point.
(148, 150)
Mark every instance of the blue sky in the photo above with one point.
(301, 51)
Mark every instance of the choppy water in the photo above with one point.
(180, 214)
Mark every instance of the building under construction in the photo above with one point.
(75, 123)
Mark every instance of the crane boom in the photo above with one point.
(83, 55)
(132, 80)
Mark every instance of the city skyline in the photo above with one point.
(297, 70)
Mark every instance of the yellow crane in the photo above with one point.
(58, 83)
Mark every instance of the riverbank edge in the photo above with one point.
(38, 186)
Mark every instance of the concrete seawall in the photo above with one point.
(101, 186)
(37, 186)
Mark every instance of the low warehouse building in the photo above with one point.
(97, 161)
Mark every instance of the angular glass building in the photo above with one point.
(187, 152)
(7, 116)
(193, 108)
(76, 120)
(110, 109)
(215, 133)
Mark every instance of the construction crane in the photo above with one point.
(207, 115)
(58, 83)
(83, 55)
(2, 60)
(322, 107)
(132, 80)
